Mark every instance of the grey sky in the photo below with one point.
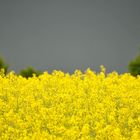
(69, 34)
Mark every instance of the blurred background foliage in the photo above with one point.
(133, 68)
(29, 72)
(3, 65)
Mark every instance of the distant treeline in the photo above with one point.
(27, 72)
(133, 67)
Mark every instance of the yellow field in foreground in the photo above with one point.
(60, 106)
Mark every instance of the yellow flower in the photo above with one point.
(63, 106)
(85, 129)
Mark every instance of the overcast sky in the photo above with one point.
(69, 34)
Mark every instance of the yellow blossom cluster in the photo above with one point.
(63, 106)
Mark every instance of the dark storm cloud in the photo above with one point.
(69, 34)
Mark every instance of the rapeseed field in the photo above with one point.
(63, 106)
